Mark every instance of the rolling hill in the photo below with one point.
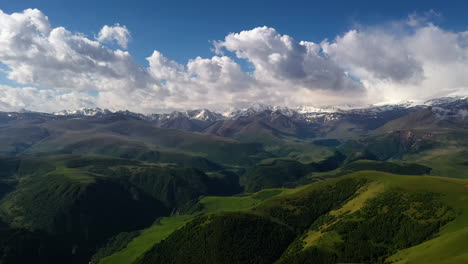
(88, 199)
(367, 216)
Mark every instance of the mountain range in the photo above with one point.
(265, 184)
(300, 122)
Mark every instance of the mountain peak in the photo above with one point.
(83, 112)
(256, 108)
(444, 100)
(259, 108)
(204, 115)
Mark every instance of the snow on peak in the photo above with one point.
(444, 100)
(305, 112)
(83, 112)
(259, 108)
(199, 114)
(313, 109)
(204, 115)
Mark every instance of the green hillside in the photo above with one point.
(365, 217)
(85, 200)
(131, 138)
(142, 243)
(274, 173)
(224, 237)
(149, 237)
(394, 167)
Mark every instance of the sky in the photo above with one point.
(159, 56)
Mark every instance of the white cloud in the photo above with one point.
(42, 100)
(117, 33)
(280, 60)
(285, 72)
(418, 60)
(56, 58)
(163, 68)
(381, 55)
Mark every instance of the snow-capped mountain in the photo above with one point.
(253, 109)
(259, 119)
(447, 108)
(83, 112)
(259, 108)
(204, 115)
(445, 100)
(199, 114)
(312, 109)
(201, 118)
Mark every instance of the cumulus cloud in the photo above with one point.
(381, 55)
(56, 58)
(284, 72)
(419, 60)
(216, 82)
(279, 59)
(117, 33)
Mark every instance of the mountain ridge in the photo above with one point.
(209, 115)
(259, 122)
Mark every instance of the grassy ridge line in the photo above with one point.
(130, 137)
(239, 237)
(454, 194)
(394, 167)
(211, 204)
(448, 162)
(449, 245)
(453, 190)
(446, 249)
(91, 198)
(327, 239)
(146, 240)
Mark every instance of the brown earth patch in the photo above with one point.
(466, 186)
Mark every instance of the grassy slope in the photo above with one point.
(454, 193)
(307, 202)
(236, 203)
(449, 245)
(146, 240)
(52, 193)
(283, 172)
(446, 249)
(210, 204)
(302, 150)
(126, 136)
(441, 148)
(449, 161)
(82, 209)
(394, 167)
(448, 157)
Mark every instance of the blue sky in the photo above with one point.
(59, 54)
(181, 29)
